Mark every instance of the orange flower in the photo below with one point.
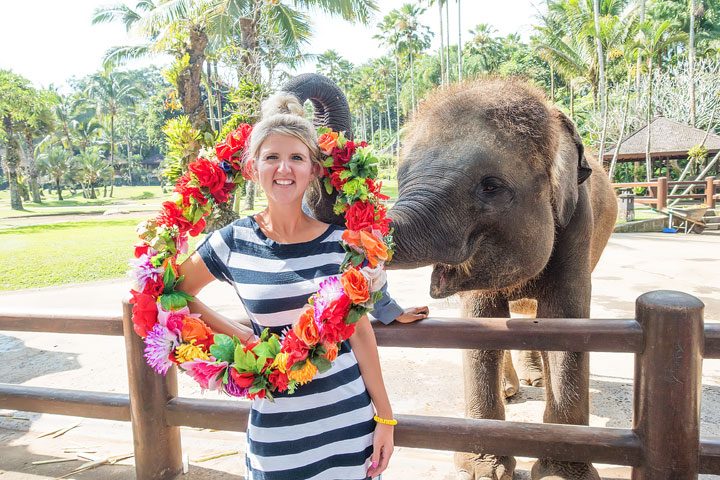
(305, 328)
(375, 250)
(355, 285)
(195, 329)
(327, 141)
(352, 238)
(304, 374)
(332, 351)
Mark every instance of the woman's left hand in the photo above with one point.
(413, 314)
(383, 445)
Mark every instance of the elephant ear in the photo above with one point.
(570, 169)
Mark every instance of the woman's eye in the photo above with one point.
(271, 157)
(297, 157)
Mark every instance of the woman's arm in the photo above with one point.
(197, 276)
(364, 346)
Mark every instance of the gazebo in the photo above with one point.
(670, 140)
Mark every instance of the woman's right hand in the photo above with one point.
(413, 314)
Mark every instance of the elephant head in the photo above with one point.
(489, 177)
(331, 110)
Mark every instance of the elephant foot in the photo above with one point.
(479, 466)
(510, 382)
(529, 368)
(545, 469)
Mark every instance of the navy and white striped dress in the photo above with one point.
(325, 430)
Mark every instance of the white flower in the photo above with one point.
(376, 277)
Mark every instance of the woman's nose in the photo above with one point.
(284, 166)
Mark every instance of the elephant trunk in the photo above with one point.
(331, 110)
(412, 233)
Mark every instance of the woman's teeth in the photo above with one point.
(284, 182)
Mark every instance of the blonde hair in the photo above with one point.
(282, 114)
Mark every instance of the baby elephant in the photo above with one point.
(495, 191)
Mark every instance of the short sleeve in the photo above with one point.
(215, 250)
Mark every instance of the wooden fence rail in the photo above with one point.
(664, 442)
(658, 191)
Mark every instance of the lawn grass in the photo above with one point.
(129, 198)
(61, 253)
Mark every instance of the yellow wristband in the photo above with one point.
(385, 421)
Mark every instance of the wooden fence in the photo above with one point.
(659, 191)
(667, 336)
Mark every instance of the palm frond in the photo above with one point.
(118, 55)
(350, 10)
(117, 12)
(292, 26)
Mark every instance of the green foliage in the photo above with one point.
(183, 140)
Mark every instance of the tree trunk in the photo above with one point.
(112, 156)
(691, 62)
(572, 101)
(602, 87)
(189, 81)
(639, 56)
(552, 83)
(626, 104)
(442, 44)
(447, 41)
(648, 160)
(210, 96)
(397, 104)
(59, 190)
(412, 82)
(249, 196)
(459, 45)
(31, 168)
(218, 98)
(12, 161)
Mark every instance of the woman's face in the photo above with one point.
(284, 168)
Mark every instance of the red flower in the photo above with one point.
(234, 143)
(154, 287)
(296, 349)
(209, 174)
(144, 312)
(334, 329)
(336, 181)
(141, 249)
(343, 155)
(260, 394)
(188, 191)
(279, 379)
(375, 189)
(243, 380)
(382, 222)
(360, 215)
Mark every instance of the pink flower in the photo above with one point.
(173, 320)
(206, 373)
(160, 343)
(144, 269)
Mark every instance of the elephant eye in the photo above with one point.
(490, 185)
(489, 188)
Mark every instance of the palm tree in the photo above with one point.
(484, 45)
(414, 37)
(602, 87)
(390, 37)
(443, 66)
(91, 169)
(459, 45)
(56, 163)
(691, 62)
(111, 91)
(653, 41)
(17, 103)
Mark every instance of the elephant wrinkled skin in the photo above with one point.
(495, 191)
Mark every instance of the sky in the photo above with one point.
(50, 41)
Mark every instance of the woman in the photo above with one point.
(276, 260)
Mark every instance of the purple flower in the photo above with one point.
(233, 389)
(159, 344)
(329, 291)
(144, 270)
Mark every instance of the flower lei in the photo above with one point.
(270, 363)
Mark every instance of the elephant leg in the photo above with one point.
(484, 396)
(528, 364)
(567, 402)
(510, 382)
(529, 367)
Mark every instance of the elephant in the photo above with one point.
(497, 194)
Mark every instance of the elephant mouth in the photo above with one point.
(443, 281)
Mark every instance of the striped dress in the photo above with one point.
(325, 430)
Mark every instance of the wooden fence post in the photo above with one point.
(710, 192)
(666, 404)
(662, 192)
(158, 453)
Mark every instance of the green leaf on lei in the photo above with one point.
(244, 361)
(322, 364)
(355, 314)
(223, 348)
(174, 300)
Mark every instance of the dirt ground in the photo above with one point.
(420, 381)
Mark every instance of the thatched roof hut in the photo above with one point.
(669, 140)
